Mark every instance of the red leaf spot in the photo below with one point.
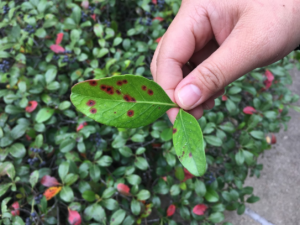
(110, 90)
(144, 88)
(174, 130)
(130, 113)
(112, 219)
(127, 98)
(93, 83)
(190, 155)
(103, 87)
(119, 83)
(114, 112)
(93, 110)
(171, 210)
(133, 100)
(118, 92)
(124, 81)
(150, 92)
(183, 153)
(158, 107)
(91, 103)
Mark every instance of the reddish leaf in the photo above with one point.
(199, 209)
(59, 38)
(249, 110)
(74, 217)
(51, 192)
(269, 80)
(158, 18)
(273, 139)
(123, 189)
(158, 40)
(80, 126)
(224, 98)
(93, 16)
(48, 181)
(187, 175)
(31, 106)
(85, 4)
(57, 48)
(28, 138)
(154, 2)
(171, 210)
(15, 209)
(164, 178)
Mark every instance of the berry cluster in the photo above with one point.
(36, 150)
(5, 9)
(92, 9)
(4, 66)
(35, 159)
(86, 16)
(96, 138)
(29, 29)
(107, 22)
(32, 161)
(149, 21)
(29, 220)
(38, 199)
(209, 177)
(160, 4)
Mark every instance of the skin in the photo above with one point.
(224, 40)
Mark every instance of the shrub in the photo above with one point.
(56, 165)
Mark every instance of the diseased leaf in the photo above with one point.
(49, 181)
(51, 192)
(126, 101)
(188, 143)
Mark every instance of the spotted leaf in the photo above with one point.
(126, 101)
(51, 192)
(188, 143)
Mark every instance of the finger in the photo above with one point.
(210, 103)
(179, 44)
(197, 112)
(154, 59)
(201, 55)
(232, 59)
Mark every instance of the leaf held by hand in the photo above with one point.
(188, 143)
(125, 101)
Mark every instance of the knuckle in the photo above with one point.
(211, 76)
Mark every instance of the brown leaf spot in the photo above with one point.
(118, 92)
(174, 130)
(144, 88)
(93, 110)
(109, 90)
(93, 83)
(119, 83)
(127, 98)
(190, 155)
(133, 99)
(91, 103)
(124, 81)
(150, 92)
(130, 113)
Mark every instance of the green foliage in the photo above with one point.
(41, 132)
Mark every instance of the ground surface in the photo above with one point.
(279, 184)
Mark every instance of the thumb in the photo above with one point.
(237, 56)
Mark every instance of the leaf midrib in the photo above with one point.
(187, 140)
(139, 102)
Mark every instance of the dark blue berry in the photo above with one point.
(33, 214)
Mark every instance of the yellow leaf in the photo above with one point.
(51, 192)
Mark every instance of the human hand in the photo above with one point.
(250, 34)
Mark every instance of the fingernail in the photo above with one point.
(189, 95)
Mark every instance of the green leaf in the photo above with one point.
(143, 195)
(239, 157)
(17, 150)
(95, 173)
(188, 143)
(258, 134)
(70, 179)
(175, 190)
(200, 188)
(4, 188)
(107, 193)
(126, 101)
(44, 114)
(117, 217)
(134, 179)
(110, 204)
(63, 170)
(141, 163)
(216, 217)
(213, 140)
(252, 199)
(179, 173)
(50, 75)
(125, 151)
(67, 145)
(33, 179)
(96, 212)
(135, 207)
(211, 195)
(89, 196)
(66, 194)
